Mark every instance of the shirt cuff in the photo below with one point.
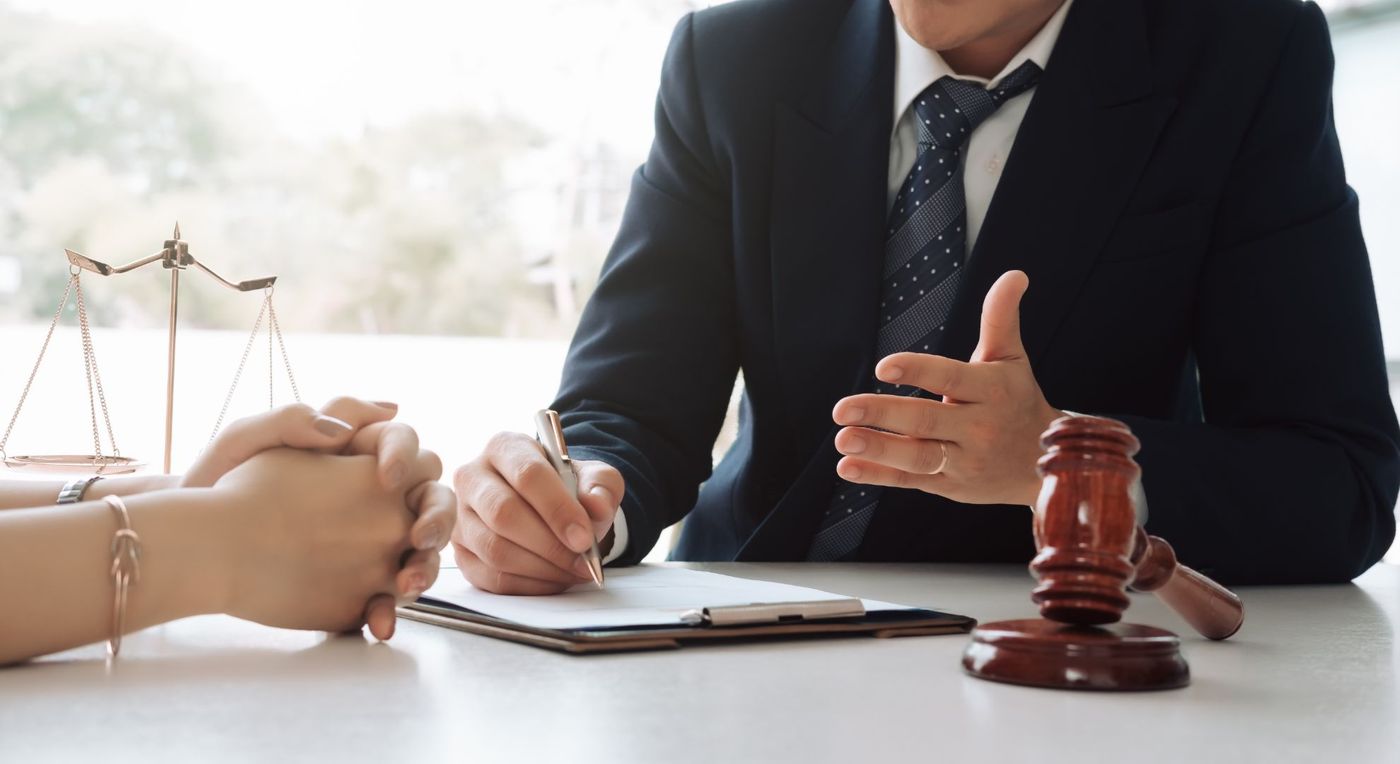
(619, 537)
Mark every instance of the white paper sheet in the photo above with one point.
(644, 595)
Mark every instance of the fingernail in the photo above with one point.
(414, 585)
(850, 415)
(854, 444)
(432, 537)
(396, 474)
(603, 495)
(390, 629)
(848, 470)
(891, 373)
(581, 568)
(578, 537)
(386, 405)
(330, 426)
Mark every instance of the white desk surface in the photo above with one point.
(1311, 676)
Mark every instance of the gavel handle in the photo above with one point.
(1211, 609)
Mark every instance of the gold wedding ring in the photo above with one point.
(942, 463)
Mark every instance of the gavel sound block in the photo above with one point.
(1090, 550)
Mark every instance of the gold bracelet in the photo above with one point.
(126, 570)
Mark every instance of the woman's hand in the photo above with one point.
(331, 430)
(353, 427)
(313, 537)
(285, 536)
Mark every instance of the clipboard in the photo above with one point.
(758, 621)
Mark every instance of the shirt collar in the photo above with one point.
(917, 67)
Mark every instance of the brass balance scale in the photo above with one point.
(174, 256)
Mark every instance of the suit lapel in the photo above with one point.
(831, 151)
(1090, 128)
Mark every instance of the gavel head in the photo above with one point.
(1085, 523)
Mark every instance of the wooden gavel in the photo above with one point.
(1091, 546)
(1211, 609)
(1091, 550)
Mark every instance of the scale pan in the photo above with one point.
(75, 463)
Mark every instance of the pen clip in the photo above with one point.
(773, 612)
(550, 434)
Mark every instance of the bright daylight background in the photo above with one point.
(434, 184)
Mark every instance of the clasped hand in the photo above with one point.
(339, 514)
(985, 432)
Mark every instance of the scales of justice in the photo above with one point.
(175, 257)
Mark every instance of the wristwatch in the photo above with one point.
(74, 490)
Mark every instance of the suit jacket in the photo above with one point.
(1177, 197)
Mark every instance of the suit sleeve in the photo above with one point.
(652, 365)
(1294, 473)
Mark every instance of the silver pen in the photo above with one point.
(550, 434)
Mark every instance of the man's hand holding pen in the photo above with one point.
(520, 529)
(549, 431)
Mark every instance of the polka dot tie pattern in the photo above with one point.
(925, 247)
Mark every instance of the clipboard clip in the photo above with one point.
(775, 612)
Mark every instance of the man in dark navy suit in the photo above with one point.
(922, 230)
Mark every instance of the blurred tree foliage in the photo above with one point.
(108, 135)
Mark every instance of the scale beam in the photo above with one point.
(103, 269)
(251, 285)
(175, 255)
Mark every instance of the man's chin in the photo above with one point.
(932, 34)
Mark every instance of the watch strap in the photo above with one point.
(74, 490)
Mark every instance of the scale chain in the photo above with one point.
(63, 303)
(270, 398)
(90, 359)
(238, 374)
(286, 362)
(87, 374)
(274, 329)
